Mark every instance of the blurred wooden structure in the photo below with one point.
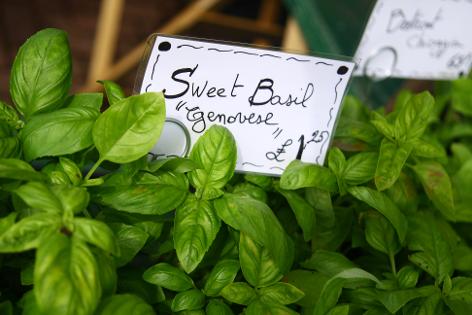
(102, 65)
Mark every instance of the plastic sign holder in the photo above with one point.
(279, 106)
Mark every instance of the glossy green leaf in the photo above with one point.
(258, 268)
(18, 169)
(437, 186)
(264, 182)
(395, 300)
(195, 227)
(188, 300)
(239, 293)
(328, 262)
(407, 277)
(215, 153)
(130, 239)
(414, 116)
(302, 175)
(106, 272)
(428, 149)
(113, 90)
(169, 277)
(71, 169)
(217, 307)
(304, 212)
(61, 132)
(281, 293)
(149, 194)
(392, 158)
(380, 234)
(310, 283)
(459, 299)
(461, 101)
(382, 125)
(385, 206)
(96, 233)
(141, 120)
(258, 221)
(433, 304)
(28, 233)
(124, 304)
(41, 73)
(9, 116)
(7, 221)
(360, 168)
(220, 276)
(251, 190)
(66, 279)
(431, 251)
(39, 196)
(259, 307)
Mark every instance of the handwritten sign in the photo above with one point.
(278, 106)
(421, 39)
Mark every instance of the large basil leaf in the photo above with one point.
(437, 186)
(414, 116)
(18, 169)
(188, 300)
(384, 205)
(169, 277)
(28, 233)
(301, 175)
(310, 283)
(281, 293)
(304, 212)
(395, 300)
(239, 293)
(459, 299)
(113, 90)
(107, 272)
(380, 234)
(149, 194)
(130, 240)
(129, 129)
(220, 276)
(215, 153)
(124, 304)
(195, 227)
(258, 267)
(258, 221)
(431, 251)
(41, 74)
(217, 307)
(9, 116)
(66, 279)
(392, 157)
(96, 233)
(360, 168)
(63, 131)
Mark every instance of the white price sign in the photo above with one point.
(420, 39)
(279, 106)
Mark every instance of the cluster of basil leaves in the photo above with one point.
(90, 225)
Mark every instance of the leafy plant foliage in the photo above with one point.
(90, 225)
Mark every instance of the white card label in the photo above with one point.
(420, 39)
(279, 106)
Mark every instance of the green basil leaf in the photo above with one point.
(96, 233)
(188, 300)
(264, 182)
(428, 149)
(113, 90)
(358, 130)
(149, 194)
(38, 195)
(131, 281)
(404, 194)
(71, 169)
(437, 186)
(130, 240)
(9, 115)
(302, 175)
(431, 251)
(239, 293)
(28, 233)
(215, 153)
(407, 277)
(106, 272)
(281, 293)
(328, 262)
(6, 308)
(169, 277)
(41, 73)
(379, 233)
(339, 310)
(304, 212)
(176, 164)
(461, 101)
(459, 299)
(382, 125)
(66, 279)
(7, 222)
(414, 116)
(360, 168)
(217, 307)
(195, 227)
(395, 300)
(258, 268)
(141, 120)
(258, 221)
(9, 143)
(124, 304)
(29, 305)
(310, 283)
(251, 190)
(64, 131)
(220, 276)
(258, 307)
(17, 169)
(392, 157)
(385, 206)
(433, 304)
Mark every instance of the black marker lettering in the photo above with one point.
(174, 77)
(262, 86)
(235, 85)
